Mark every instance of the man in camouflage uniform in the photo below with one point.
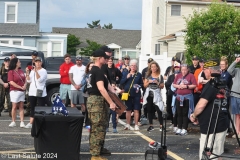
(98, 86)
(4, 87)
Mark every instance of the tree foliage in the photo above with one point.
(95, 24)
(109, 26)
(92, 46)
(214, 32)
(72, 43)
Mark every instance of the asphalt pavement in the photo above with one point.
(17, 143)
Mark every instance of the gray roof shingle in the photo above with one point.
(123, 38)
(16, 29)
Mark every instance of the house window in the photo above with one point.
(19, 43)
(3, 41)
(42, 46)
(131, 54)
(157, 49)
(56, 49)
(11, 10)
(175, 10)
(157, 20)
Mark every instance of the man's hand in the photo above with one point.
(129, 75)
(77, 87)
(237, 60)
(193, 119)
(5, 85)
(113, 106)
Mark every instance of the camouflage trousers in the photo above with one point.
(98, 116)
(4, 94)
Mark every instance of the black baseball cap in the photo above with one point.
(100, 53)
(6, 59)
(34, 53)
(201, 60)
(150, 60)
(106, 49)
(195, 58)
(79, 58)
(174, 58)
(38, 59)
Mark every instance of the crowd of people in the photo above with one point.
(188, 93)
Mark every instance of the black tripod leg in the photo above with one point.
(234, 129)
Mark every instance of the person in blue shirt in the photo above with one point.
(133, 103)
(224, 73)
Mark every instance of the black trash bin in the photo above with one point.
(56, 136)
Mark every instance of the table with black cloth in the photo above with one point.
(57, 136)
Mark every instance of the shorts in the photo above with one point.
(64, 89)
(17, 96)
(133, 103)
(77, 97)
(218, 146)
(235, 105)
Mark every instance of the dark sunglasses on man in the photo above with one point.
(126, 58)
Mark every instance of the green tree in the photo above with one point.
(95, 24)
(92, 46)
(214, 32)
(72, 43)
(109, 26)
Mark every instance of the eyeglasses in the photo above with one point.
(126, 58)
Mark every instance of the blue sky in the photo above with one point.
(123, 14)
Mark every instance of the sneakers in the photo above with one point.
(154, 145)
(98, 158)
(115, 130)
(29, 125)
(136, 128)
(105, 152)
(22, 125)
(150, 128)
(183, 132)
(175, 129)
(178, 131)
(12, 124)
(127, 127)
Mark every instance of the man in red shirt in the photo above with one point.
(65, 86)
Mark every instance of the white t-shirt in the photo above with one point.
(40, 83)
(78, 73)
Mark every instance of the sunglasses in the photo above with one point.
(126, 58)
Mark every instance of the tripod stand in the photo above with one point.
(161, 152)
(221, 103)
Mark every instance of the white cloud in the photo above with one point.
(123, 14)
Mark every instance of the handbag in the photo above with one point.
(126, 95)
(39, 92)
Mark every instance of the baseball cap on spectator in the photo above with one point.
(195, 58)
(6, 59)
(177, 64)
(201, 60)
(126, 57)
(38, 59)
(100, 53)
(150, 60)
(106, 49)
(78, 58)
(34, 53)
(174, 58)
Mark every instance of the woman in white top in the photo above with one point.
(37, 79)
